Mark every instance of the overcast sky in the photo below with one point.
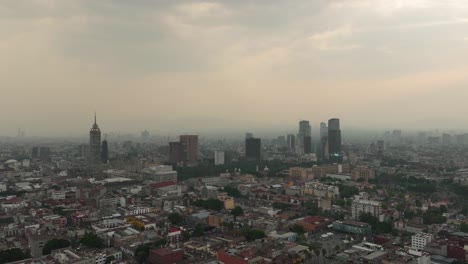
(194, 66)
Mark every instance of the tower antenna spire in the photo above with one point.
(95, 117)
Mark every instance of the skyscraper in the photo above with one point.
(304, 129)
(334, 140)
(253, 149)
(95, 143)
(189, 148)
(323, 145)
(40, 153)
(307, 144)
(291, 141)
(175, 152)
(104, 152)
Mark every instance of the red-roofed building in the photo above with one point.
(226, 258)
(314, 223)
(166, 256)
(163, 187)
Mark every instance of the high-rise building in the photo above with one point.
(323, 145)
(104, 152)
(248, 135)
(380, 147)
(291, 141)
(95, 143)
(83, 151)
(307, 144)
(253, 149)
(40, 153)
(219, 157)
(304, 129)
(189, 148)
(334, 140)
(323, 130)
(175, 152)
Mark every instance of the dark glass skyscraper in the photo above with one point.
(323, 145)
(307, 144)
(253, 149)
(104, 152)
(334, 140)
(95, 143)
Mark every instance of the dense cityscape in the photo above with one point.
(233, 131)
(314, 196)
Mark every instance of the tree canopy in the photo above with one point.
(53, 244)
(175, 218)
(92, 240)
(237, 211)
(11, 255)
(211, 204)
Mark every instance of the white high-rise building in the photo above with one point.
(419, 241)
(219, 157)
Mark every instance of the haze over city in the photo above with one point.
(200, 66)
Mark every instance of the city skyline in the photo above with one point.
(382, 63)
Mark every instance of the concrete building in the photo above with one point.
(323, 170)
(160, 173)
(190, 148)
(175, 152)
(219, 157)
(40, 153)
(352, 227)
(95, 143)
(253, 149)
(318, 189)
(419, 241)
(362, 173)
(359, 207)
(227, 200)
(166, 256)
(291, 142)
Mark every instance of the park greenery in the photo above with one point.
(252, 234)
(210, 204)
(92, 240)
(12, 254)
(53, 244)
(175, 218)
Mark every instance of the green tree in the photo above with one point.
(92, 240)
(464, 227)
(175, 218)
(237, 211)
(211, 204)
(160, 243)
(347, 191)
(109, 259)
(232, 191)
(55, 243)
(199, 230)
(11, 255)
(253, 234)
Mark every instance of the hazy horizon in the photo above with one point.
(232, 66)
